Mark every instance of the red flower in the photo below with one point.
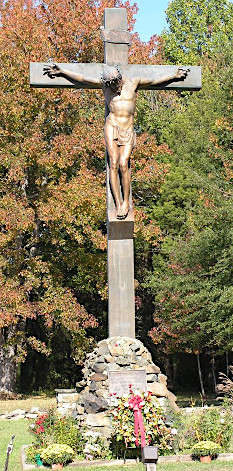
(40, 429)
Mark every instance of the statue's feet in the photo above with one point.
(122, 210)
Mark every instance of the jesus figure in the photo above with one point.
(120, 137)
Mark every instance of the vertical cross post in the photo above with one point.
(121, 303)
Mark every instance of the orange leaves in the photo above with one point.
(146, 53)
(13, 303)
(145, 168)
(16, 217)
(145, 228)
(164, 334)
(78, 206)
(60, 306)
(53, 202)
(39, 346)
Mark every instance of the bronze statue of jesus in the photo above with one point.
(120, 137)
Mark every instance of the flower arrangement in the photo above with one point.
(152, 430)
(57, 453)
(205, 448)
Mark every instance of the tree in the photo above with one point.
(197, 28)
(191, 278)
(52, 182)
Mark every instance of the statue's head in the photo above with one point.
(112, 77)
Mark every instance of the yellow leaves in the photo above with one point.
(60, 306)
(77, 205)
(13, 303)
(15, 217)
(145, 228)
(223, 124)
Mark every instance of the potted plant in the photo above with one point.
(57, 455)
(205, 450)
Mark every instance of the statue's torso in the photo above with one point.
(121, 105)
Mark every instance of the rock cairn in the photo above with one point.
(114, 354)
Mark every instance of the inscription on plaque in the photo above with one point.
(119, 381)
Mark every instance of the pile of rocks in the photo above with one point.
(114, 354)
(67, 401)
(21, 414)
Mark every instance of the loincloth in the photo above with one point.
(124, 137)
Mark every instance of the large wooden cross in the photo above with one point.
(121, 302)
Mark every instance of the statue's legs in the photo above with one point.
(125, 152)
(119, 157)
(114, 157)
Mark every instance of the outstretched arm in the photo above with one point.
(179, 74)
(54, 70)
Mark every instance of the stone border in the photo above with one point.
(162, 459)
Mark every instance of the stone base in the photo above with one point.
(114, 354)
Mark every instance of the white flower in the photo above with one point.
(89, 433)
(125, 396)
(145, 394)
(114, 401)
(126, 404)
(146, 410)
(87, 448)
(174, 431)
(222, 421)
(142, 403)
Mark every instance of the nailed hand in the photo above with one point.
(181, 73)
(52, 70)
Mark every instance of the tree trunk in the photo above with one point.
(227, 364)
(175, 372)
(214, 375)
(8, 366)
(168, 371)
(200, 375)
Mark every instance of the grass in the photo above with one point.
(22, 437)
(187, 399)
(19, 428)
(25, 402)
(214, 466)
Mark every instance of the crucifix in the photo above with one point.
(119, 82)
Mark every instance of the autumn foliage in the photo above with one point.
(52, 176)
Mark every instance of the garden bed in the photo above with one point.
(85, 463)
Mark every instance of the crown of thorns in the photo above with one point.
(111, 74)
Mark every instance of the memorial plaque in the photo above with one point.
(119, 381)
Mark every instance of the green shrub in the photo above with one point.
(212, 424)
(32, 452)
(57, 453)
(51, 428)
(205, 448)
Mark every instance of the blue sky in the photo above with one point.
(150, 18)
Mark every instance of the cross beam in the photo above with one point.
(121, 303)
(191, 82)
